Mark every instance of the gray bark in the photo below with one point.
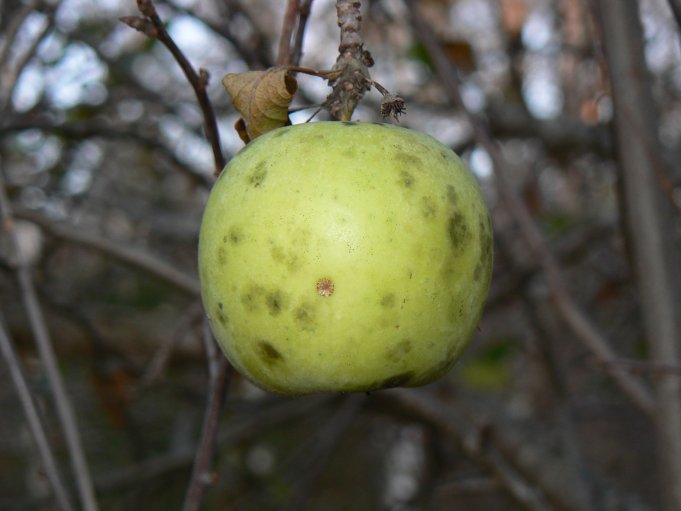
(648, 215)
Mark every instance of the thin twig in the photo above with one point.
(153, 27)
(573, 316)
(48, 358)
(284, 54)
(12, 31)
(33, 418)
(303, 15)
(131, 256)
(13, 75)
(480, 443)
(89, 129)
(201, 472)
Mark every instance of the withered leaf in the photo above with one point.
(262, 98)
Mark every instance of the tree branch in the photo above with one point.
(153, 27)
(648, 217)
(33, 418)
(284, 55)
(133, 257)
(353, 63)
(48, 358)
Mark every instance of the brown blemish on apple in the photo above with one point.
(428, 207)
(451, 194)
(268, 353)
(222, 255)
(396, 381)
(409, 160)
(478, 271)
(281, 133)
(257, 177)
(458, 231)
(388, 300)
(275, 302)
(222, 317)
(399, 350)
(235, 235)
(250, 298)
(486, 247)
(325, 287)
(406, 179)
(305, 316)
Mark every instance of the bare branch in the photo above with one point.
(303, 15)
(649, 221)
(284, 55)
(127, 255)
(48, 358)
(201, 476)
(33, 418)
(153, 27)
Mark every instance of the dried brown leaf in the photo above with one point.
(262, 98)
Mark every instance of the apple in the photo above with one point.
(344, 256)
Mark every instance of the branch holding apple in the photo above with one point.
(344, 256)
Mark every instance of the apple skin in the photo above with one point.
(341, 257)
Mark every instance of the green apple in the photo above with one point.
(344, 256)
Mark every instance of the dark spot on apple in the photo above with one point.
(388, 300)
(220, 304)
(397, 381)
(257, 177)
(409, 160)
(277, 254)
(486, 245)
(222, 255)
(399, 350)
(478, 271)
(458, 231)
(406, 179)
(428, 207)
(350, 152)
(274, 302)
(250, 298)
(222, 317)
(235, 235)
(304, 315)
(349, 123)
(268, 353)
(451, 194)
(281, 132)
(443, 154)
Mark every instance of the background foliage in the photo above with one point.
(106, 170)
